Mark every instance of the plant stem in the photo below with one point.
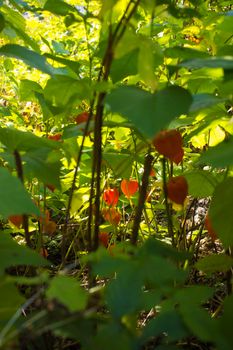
(229, 273)
(98, 156)
(71, 193)
(142, 197)
(168, 210)
(104, 72)
(19, 169)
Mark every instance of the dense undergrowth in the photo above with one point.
(116, 182)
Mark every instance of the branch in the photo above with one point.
(142, 197)
(19, 169)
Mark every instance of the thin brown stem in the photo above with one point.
(97, 151)
(142, 198)
(167, 207)
(73, 185)
(229, 274)
(98, 156)
(19, 169)
(125, 20)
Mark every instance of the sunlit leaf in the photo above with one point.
(2, 22)
(124, 66)
(44, 165)
(202, 101)
(62, 90)
(15, 199)
(19, 140)
(149, 112)
(31, 58)
(185, 53)
(58, 7)
(27, 89)
(213, 62)
(74, 65)
(219, 156)
(221, 212)
(207, 180)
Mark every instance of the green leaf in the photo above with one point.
(185, 53)
(154, 247)
(43, 164)
(226, 24)
(75, 327)
(106, 6)
(124, 66)
(74, 65)
(168, 272)
(68, 292)
(215, 262)
(31, 58)
(200, 323)
(80, 199)
(202, 101)
(220, 212)
(150, 56)
(27, 89)
(13, 254)
(104, 264)
(213, 62)
(42, 278)
(187, 301)
(207, 180)
(72, 130)
(190, 296)
(219, 156)
(120, 163)
(149, 112)
(62, 90)
(58, 7)
(10, 301)
(17, 21)
(15, 200)
(124, 294)
(2, 22)
(19, 140)
(169, 322)
(123, 339)
(59, 48)
(225, 325)
(45, 107)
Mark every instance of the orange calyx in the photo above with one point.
(50, 187)
(104, 238)
(16, 220)
(209, 227)
(82, 118)
(50, 227)
(129, 187)
(112, 215)
(177, 189)
(152, 173)
(55, 137)
(44, 217)
(169, 144)
(44, 252)
(111, 196)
